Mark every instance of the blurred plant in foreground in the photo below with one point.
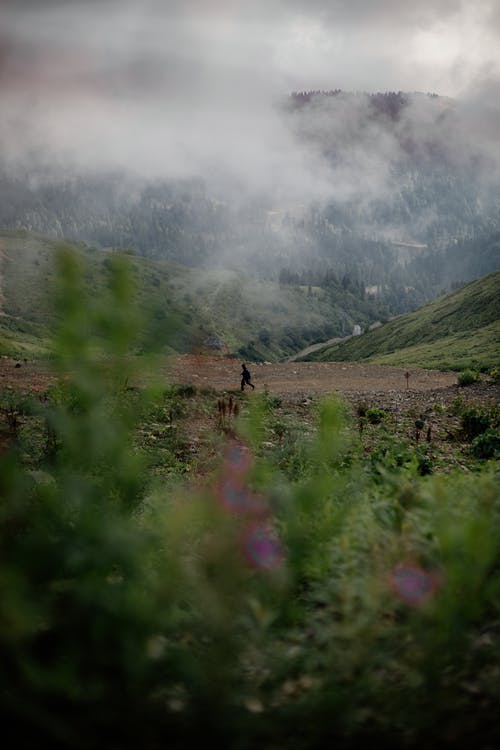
(133, 614)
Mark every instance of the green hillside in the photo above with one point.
(183, 307)
(456, 331)
(28, 283)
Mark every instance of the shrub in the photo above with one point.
(139, 616)
(424, 467)
(374, 415)
(487, 445)
(474, 422)
(184, 390)
(269, 402)
(394, 458)
(468, 377)
(495, 375)
(457, 405)
(26, 404)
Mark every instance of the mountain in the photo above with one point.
(456, 331)
(403, 197)
(184, 309)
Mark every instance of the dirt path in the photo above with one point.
(306, 377)
(315, 347)
(295, 381)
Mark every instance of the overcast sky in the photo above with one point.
(180, 86)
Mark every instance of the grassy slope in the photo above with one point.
(183, 305)
(268, 320)
(28, 278)
(25, 270)
(456, 331)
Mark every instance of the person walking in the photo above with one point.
(246, 378)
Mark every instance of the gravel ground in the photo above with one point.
(380, 384)
(307, 377)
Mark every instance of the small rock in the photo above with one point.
(254, 705)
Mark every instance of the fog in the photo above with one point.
(197, 88)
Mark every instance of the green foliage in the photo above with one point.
(160, 434)
(456, 332)
(181, 307)
(259, 319)
(270, 403)
(468, 377)
(475, 421)
(131, 614)
(424, 465)
(458, 405)
(393, 458)
(374, 415)
(25, 404)
(495, 375)
(487, 444)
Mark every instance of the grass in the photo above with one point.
(478, 349)
(182, 431)
(457, 331)
(338, 586)
(323, 629)
(181, 307)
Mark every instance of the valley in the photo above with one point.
(295, 390)
(311, 563)
(303, 378)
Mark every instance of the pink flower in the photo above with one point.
(238, 498)
(413, 585)
(262, 547)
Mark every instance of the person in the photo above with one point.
(246, 378)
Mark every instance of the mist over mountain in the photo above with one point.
(396, 194)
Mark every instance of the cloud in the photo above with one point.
(192, 87)
(379, 12)
(157, 88)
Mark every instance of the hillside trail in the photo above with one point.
(315, 348)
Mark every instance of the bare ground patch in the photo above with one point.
(306, 377)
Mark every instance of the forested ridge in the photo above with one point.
(433, 221)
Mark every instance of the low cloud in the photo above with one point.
(179, 89)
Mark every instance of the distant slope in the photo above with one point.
(459, 330)
(24, 308)
(185, 307)
(403, 209)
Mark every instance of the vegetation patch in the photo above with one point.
(468, 377)
(487, 444)
(458, 331)
(316, 589)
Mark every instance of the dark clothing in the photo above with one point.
(246, 378)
